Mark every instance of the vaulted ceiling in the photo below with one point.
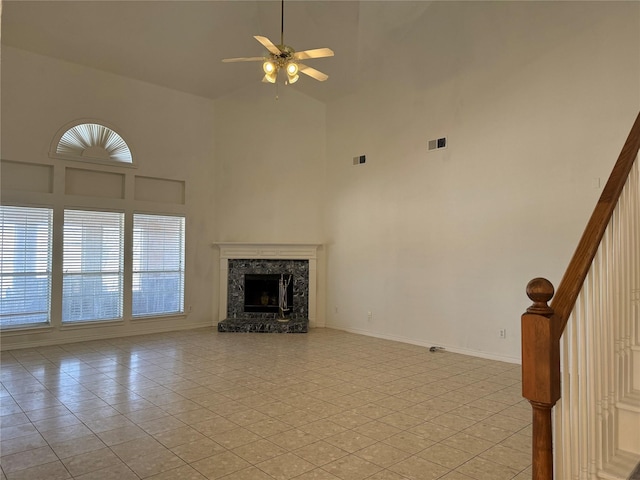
(180, 44)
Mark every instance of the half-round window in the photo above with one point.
(91, 142)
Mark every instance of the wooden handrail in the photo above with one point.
(571, 283)
(543, 325)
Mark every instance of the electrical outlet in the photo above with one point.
(502, 333)
(370, 316)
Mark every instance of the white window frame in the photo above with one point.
(92, 286)
(159, 261)
(13, 268)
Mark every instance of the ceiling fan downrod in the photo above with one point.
(282, 23)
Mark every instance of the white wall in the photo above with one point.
(536, 100)
(171, 135)
(270, 168)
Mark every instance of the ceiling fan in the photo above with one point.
(283, 57)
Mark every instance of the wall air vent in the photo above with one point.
(438, 143)
(359, 160)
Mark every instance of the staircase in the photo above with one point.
(629, 411)
(581, 353)
(627, 458)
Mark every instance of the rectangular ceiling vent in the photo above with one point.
(359, 160)
(438, 143)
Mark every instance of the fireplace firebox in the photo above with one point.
(262, 290)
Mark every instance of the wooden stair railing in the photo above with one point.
(543, 325)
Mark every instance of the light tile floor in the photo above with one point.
(326, 405)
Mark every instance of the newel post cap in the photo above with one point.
(540, 291)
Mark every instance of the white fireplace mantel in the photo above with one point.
(270, 251)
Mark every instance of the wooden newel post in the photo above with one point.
(541, 372)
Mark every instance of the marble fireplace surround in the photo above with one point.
(267, 251)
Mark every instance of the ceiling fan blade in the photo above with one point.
(313, 73)
(315, 53)
(268, 44)
(242, 59)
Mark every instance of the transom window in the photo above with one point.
(92, 142)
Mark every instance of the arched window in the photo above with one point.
(91, 141)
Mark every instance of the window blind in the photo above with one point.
(25, 265)
(158, 265)
(92, 266)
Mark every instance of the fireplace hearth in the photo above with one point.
(267, 325)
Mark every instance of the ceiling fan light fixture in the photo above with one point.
(271, 77)
(292, 69)
(293, 78)
(269, 67)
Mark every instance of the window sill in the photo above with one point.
(24, 330)
(29, 329)
(91, 324)
(153, 318)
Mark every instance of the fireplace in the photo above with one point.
(250, 275)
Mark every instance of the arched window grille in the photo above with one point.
(91, 141)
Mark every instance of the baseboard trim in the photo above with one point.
(412, 341)
(102, 335)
